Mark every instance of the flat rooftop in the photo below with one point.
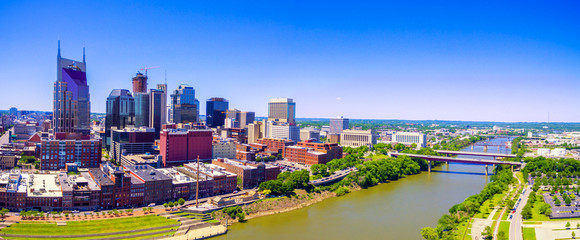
(147, 173)
(44, 185)
(177, 176)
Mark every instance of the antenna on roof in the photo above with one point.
(84, 61)
(58, 47)
(165, 77)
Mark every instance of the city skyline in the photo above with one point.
(421, 66)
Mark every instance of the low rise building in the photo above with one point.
(223, 181)
(157, 187)
(358, 138)
(409, 138)
(275, 145)
(251, 173)
(223, 149)
(309, 134)
(313, 152)
(154, 161)
(129, 141)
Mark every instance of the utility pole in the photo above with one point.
(197, 185)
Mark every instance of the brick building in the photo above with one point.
(180, 146)
(56, 153)
(251, 173)
(312, 152)
(274, 144)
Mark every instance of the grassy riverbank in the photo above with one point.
(89, 227)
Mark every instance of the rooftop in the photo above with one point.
(44, 185)
(147, 173)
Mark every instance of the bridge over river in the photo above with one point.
(486, 162)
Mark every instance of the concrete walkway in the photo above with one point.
(202, 233)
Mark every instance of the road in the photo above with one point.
(337, 175)
(5, 138)
(516, 223)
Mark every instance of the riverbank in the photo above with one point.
(276, 205)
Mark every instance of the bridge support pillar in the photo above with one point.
(486, 170)
(429, 165)
(485, 148)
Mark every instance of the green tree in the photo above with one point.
(568, 225)
(429, 233)
(527, 212)
(3, 212)
(181, 201)
(487, 233)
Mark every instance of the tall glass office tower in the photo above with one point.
(215, 111)
(184, 105)
(120, 112)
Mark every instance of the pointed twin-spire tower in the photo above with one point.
(72, 106)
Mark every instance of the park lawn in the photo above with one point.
(505, 214)
(495, 200)
(520, 176)
(107, 236)
(89, 227)
(529, 233)
(505, 227)
(536, 215)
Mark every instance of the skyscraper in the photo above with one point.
(120, 112)
(338, 124)
(282, 110)
(71, 105)
(140, 83)
(157, 109)
(215, 111)
(183, 105)
(141, 109)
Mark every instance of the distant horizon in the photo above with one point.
(322, 118)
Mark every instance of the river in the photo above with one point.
(395, 210)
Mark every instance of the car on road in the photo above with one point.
(514, 211)
(511, 216)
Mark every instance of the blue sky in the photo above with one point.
(492, 61)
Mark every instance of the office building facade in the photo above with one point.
(120, 112)
(357, 138)
(338, 124)
(215, 112)
(409, 138)
(179, 146)
(282, 110)
(184, 107)
(129, 141)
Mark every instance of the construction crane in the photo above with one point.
(147, 68)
